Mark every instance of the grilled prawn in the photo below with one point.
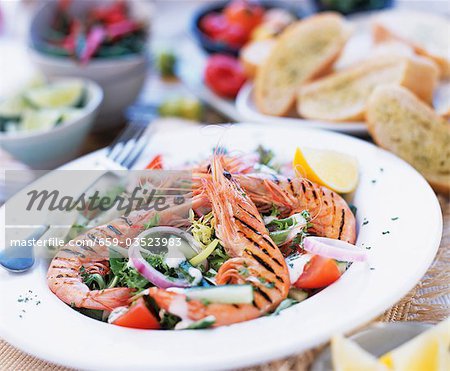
(330, 214)
(255, 259)
(89, 252)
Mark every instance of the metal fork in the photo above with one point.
(128, 146)
(121, 154)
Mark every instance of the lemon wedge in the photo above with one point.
(349, 356)
(428, 351)
(334, 170)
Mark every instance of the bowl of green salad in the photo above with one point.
(44, 125)
(105, 41)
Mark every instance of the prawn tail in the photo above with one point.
(107, 299)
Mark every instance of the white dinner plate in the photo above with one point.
(398, 218)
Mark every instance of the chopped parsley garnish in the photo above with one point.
(265, 155)
(395, 218)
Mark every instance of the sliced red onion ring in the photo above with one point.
(146, 270)
(334, 249)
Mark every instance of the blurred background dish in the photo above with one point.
(113, 54)
(378, 339)
(224, 27)
(51, 137)
(351, 6)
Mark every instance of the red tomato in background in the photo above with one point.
(138, 316)
(224, 75)
(213, 24)
(318, 273)
(233, 35)
(247, 14)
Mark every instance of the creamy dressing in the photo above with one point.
(179, 308)
(268, 219)
(174, 262)
(116, 313)
(174, 257)
(296, 265)
(196, 274)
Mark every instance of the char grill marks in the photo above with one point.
(267, 278)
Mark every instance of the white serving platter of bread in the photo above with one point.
(322, 71)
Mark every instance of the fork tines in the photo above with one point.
(128, 146)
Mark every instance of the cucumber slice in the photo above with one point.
(57, 95)
(226, 294)
(68, 114)
(12, 108)
(201, 324)
(40, 120)
(297, 294)
(10, 126)
(342, 266)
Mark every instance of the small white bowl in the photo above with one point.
(121, 78)
(47, 149)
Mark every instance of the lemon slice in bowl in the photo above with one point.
(428, 351)
(57, 95)
(349, 356)
(335, 170)
(40, 120)
(11, 108)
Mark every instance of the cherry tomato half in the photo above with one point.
(234, 35)
(138, 316)
(213, 24)
(318, 273)
(224, 75)
(247, 14)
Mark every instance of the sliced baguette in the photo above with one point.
(343, 96)
(399, 122)
(305, 50)
(254, 54)
(427, 33)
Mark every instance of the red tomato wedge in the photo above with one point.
(213, 24)
(138, 316)
(156, 163)
(224, 75)
(247, 14)
(318, 273)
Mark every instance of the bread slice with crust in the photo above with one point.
(253, 55)
(428, 34)
(305, 50)
(343, 96)
(399, 122)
